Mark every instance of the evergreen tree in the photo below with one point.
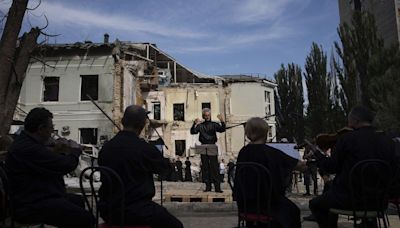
(289, 101)
(319, 90)
(359, 42)
(384, 88)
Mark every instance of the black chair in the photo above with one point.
(394, 190)
(6, 209)
(369, 181)
(252, 191)
(115, 197)
(4, 197)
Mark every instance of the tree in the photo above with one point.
(359, 42)
(319, 89)
(289, 101)
(385, 89)
(14, 59)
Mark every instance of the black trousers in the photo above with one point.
(311, 173)
(210, 171)
(320, 206)
(61, 212)
(146, 213)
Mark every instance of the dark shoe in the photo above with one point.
(219, 191)
(207, 190)
(306, 194)
(310, 218)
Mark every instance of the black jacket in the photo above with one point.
(352, 147)
(208, 131)
(135, 161)
(36, 173)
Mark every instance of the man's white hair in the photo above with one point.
(205, 110)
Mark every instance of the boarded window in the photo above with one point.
(205, 105)
(51, 88)
(157, 111)
(179, 112)
(88, 136)
(90, 86)
(180, 147)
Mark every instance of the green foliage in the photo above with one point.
(325, 111)
(316, 78)
(385, 90)
(359, 43)
(289, 102)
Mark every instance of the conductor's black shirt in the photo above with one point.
(208, 131)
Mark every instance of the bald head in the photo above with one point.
(134, 118)
(360, 116)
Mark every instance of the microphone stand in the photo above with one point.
(161, 143)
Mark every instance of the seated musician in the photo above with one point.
(135, 161)
(364, 142)
(35, 175)
(284, 212)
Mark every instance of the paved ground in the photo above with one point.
(221, 220)
(220, 215)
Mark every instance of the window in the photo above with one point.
(157, 111)
(205, 105)
(88, 136)
(179, 112)
(270, 132)
(51, 88)
(267, 96)
(180, 147)
(268, 109)
(90, 86)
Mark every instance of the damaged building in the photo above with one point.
(64, 77)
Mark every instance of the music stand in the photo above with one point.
(207, 149)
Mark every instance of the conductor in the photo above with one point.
(208, 136)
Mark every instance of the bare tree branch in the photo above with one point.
(49, 35)
(40, 2)
(42, 61)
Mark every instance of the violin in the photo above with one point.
(61, 145)
(326, 141)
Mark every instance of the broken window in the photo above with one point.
(205, 105)
(267, 98)
(90, 86)
(51, 88)
(179, 112)
(157, 111)
(180, 147)
(88, 136)
(270, 132)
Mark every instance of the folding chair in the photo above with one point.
(115, 197)
(369, 181)
(252, 191)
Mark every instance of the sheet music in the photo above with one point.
(287, 148)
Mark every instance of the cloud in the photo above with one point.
(63, 15)
(256, 11)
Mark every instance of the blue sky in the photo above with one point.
(210, 36)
